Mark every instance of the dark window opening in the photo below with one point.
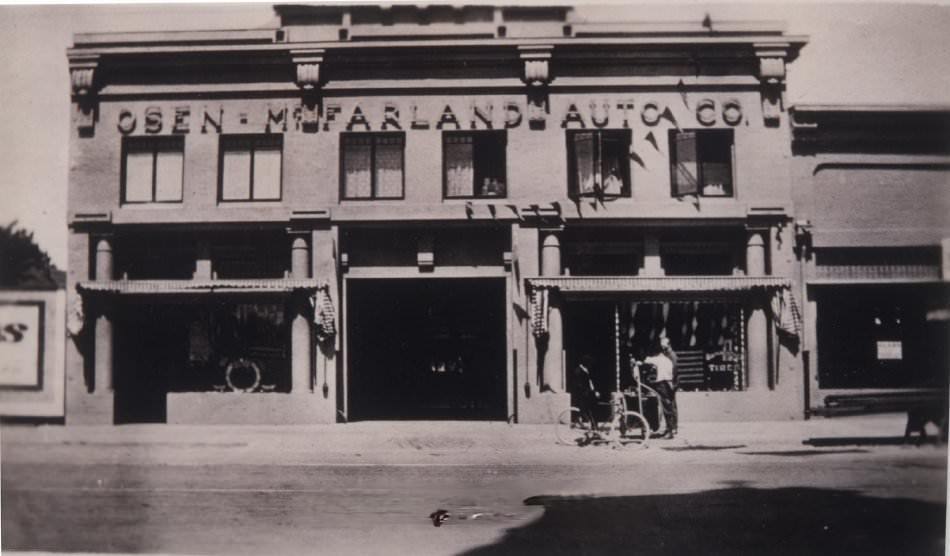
(882, 337)
(708, 263)
(474, 164)
(371, 165)
(250, 256)
(158, 257)
(427, 348)
(152, 169)
(701, 162)
(250, 167)
(599, 163)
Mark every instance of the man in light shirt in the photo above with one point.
(665, 385)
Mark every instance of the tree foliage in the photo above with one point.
(23, 264)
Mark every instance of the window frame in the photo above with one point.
(726, 132)
(373, 136)
(155, 145)
(502, 137)
(626, 139)
(255, 142)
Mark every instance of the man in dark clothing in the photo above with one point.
(583, 393)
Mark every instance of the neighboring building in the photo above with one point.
(373, 213)
(873, 204)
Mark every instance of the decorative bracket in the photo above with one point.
(82, 77)
(308, 63)
(537, 75)
(772, 77)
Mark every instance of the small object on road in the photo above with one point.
(439, 517)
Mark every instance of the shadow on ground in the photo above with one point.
(865, 441)
(738, 520)
(803, 453)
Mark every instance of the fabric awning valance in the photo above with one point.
(666, 284)
(137, 287)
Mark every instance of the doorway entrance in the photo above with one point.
(426, 349)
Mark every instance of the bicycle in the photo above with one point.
(624, 427)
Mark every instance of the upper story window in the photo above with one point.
(250, 167)
(599, 162)
(701, 162)
(152, 169)
(372, 165)
(473, 164)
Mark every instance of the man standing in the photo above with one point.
(583, 393)
(665, 384)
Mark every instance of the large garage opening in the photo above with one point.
(426, 349)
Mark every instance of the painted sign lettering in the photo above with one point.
(20, 356)
(390, 116)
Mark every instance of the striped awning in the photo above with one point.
(666, 284)
(138, 287)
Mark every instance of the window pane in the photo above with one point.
(685, 171)
(717, 179)
(459, 175)
(389, 167)
(715, 155)
(584, 162)
(490, 165)
(235, 182)
(613, 160)
(168, 176)
(357, 182)
(138, 177)
(267, 174)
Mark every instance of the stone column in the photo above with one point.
(551, 374)
(757, 331)
(103, 333)
(301, 341)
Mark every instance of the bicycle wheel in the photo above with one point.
(636, 429)
(571, 427)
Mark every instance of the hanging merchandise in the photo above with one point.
(694, 325)
(539, 313)
(785, 312)
(632, 329)
(666, 320)
(324, 315)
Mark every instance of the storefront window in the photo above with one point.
(236, 346)
(708, 338)
(881, 337)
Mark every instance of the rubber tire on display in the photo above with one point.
(239, 364)
(570, 428)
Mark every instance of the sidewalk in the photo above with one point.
(431, 442)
